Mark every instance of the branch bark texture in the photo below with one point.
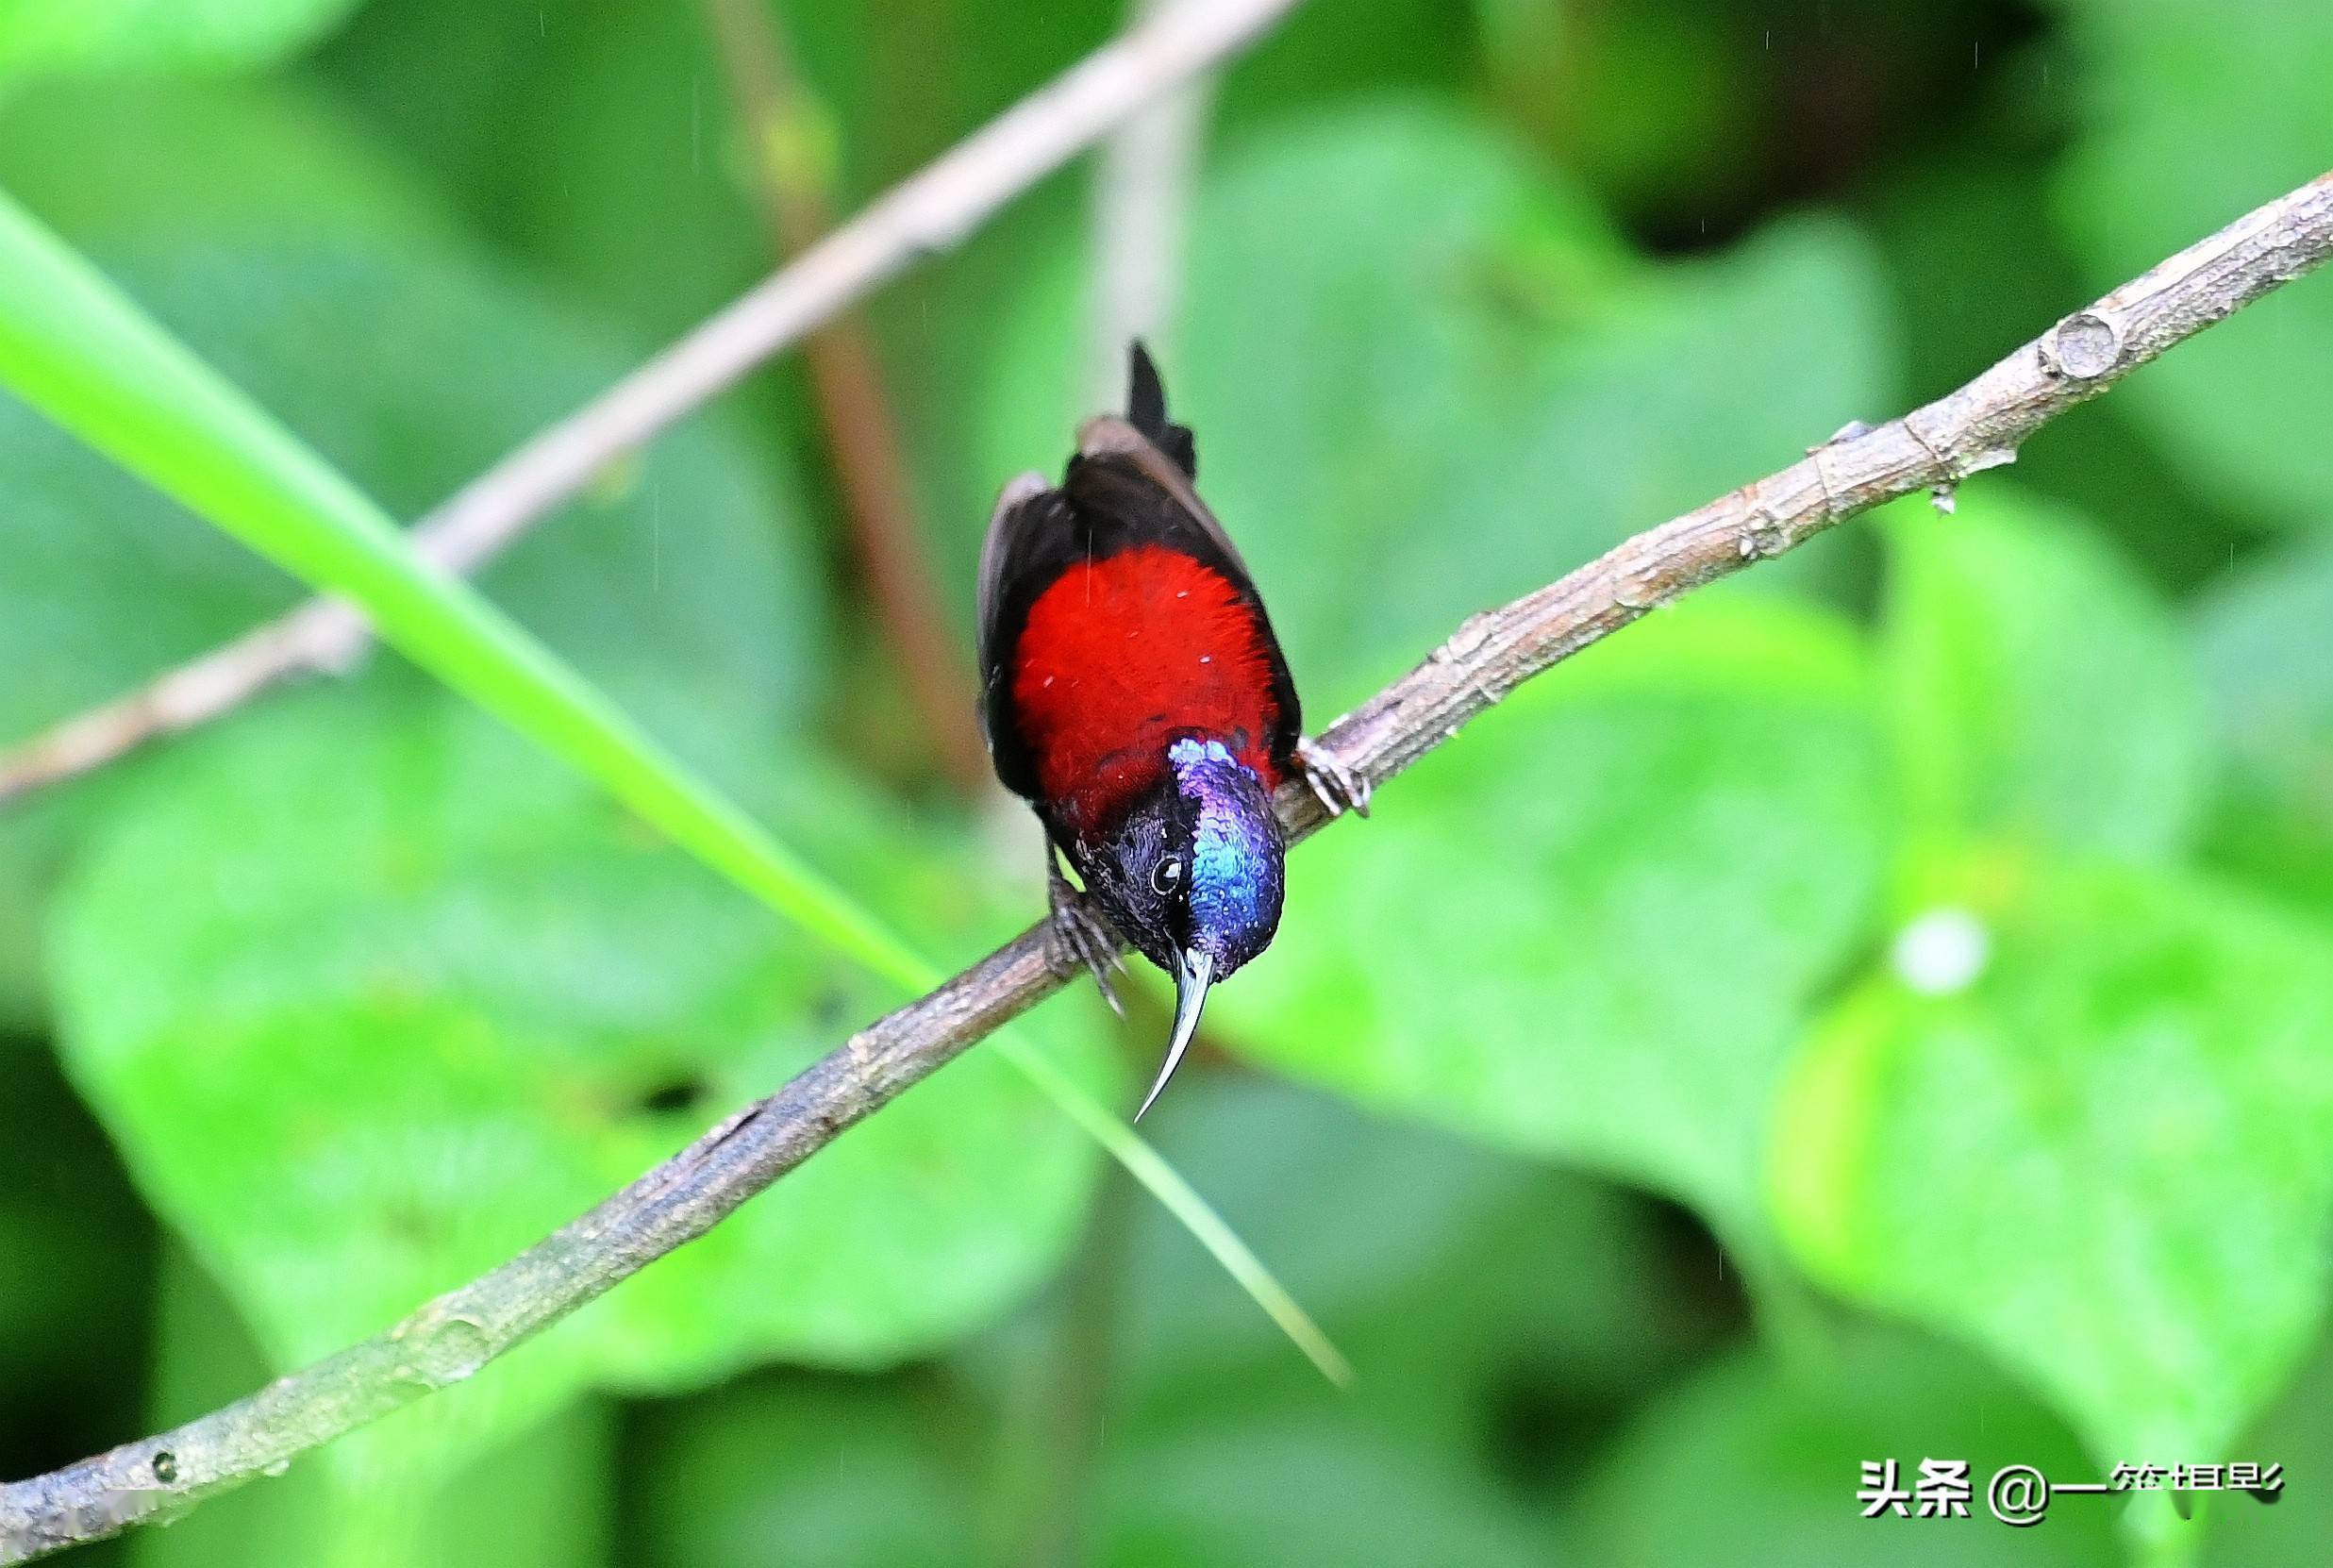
(927, 215)
(1978, 427)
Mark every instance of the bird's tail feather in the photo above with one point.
(1146, 411)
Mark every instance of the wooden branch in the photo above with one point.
(1979, 426)
(926, 215)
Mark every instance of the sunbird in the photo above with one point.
(1133, 693)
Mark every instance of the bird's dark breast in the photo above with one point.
(1117, 658)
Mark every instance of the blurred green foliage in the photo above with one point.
(2184, 102)
(479, 1000)
(2036, 692)
(105, 36)
(1731, 750)
(1606, 1096)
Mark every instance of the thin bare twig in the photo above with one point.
(1978, 427)
(1142, 190)
(925, 216)
(783, 135)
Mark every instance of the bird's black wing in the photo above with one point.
(1032, 536)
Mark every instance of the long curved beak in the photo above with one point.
(1193, 973)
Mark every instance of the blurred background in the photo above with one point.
(1879, 1009)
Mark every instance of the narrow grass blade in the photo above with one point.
(1143, 1164)
(75, 347)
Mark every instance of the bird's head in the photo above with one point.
(1192, 877)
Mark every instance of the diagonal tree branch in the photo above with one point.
(927, 215)
(1978, 427)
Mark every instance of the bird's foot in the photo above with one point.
(1338, 788)
(1080, 939)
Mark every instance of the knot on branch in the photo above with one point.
(2082, 347)
(1958, 445)
(443, 1346)
(1762, 534)
(1466, 641)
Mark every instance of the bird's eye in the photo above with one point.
(1166, 876)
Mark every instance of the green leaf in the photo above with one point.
(1650, 103)
(2194, 115)
(1310, 1490)
(1944, 225)
(105, 584)
(627, 180)
(1404, 1233)
(382, 1498)
(1424, 379)
(2106, 1159)
(2037, 692)
(359, 1055)
(1592, 930)
(1472, 1287)
(824, 1468)
(1771, 1454)
(78, 350)
(831, 1474)
(2295, 1435)
(2262, 639)
(115, 171)
(82, 36)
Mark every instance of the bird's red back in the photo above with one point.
(1121, 656)
(1117, 618)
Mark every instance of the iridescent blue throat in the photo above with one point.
(1236, 854)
